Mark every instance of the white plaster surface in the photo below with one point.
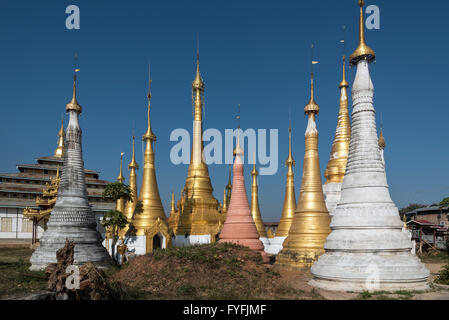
(367, 249)
(332, 194)
(275, 245)
(181, 241)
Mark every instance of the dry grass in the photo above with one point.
(15, 278)
(215, 271)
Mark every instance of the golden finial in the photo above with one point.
(312, 107)
(73, 105)
(362, 51)
(133, 164)
(149, 134)
(198, 83)
(290, 161)
(120, 177)
(59, 152)
(382, 143)
(238, 150)
(254, 172)
(344, 83)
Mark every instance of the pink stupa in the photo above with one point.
(239, 227)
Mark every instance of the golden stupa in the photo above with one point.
(227, 195)
(288, 210)
(120, 203)
(336, 166)
(198, 211)
(255, 210)
(130, 206)
(59, 152)
(149, 219)
(310, 227)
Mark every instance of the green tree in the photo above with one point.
(411, 207)
(114, 220)
(444, 202)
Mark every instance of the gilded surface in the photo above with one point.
(197, 208)
(336, 166)
(310, 227)
(288, 210)
(150, 208)
(255, 210)
(362, 51)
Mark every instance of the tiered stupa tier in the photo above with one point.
(288, 210)
(239, 227)
(148, 221)
(310, 227)
(367, 250)
(255, 209)
(336, 166)
(198, 219)
(72, 217)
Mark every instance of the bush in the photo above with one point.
(443, 275)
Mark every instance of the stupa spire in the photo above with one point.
(72, 217)
(362, 51)
(120, 204)
(336, 167)
(59, 152)
(73, 105)
(199, 220)
(289, 207)
(288, 210)
(130, 206)
(255, 209)
(239, 226)
(172, 204)
(224, 207)
(151, 210)
(120, 177)
(367, 250)
(310, 226)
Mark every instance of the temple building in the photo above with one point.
(72, 217)
(28, 196)
(197, 219)
(255, 210)
(310, 226)
(288, 210)
(336, 166)
(367, 249)
(149, 228)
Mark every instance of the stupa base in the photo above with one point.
(361, 286)
(183, 241)
(266, 243)
(275, 245)
(358, 272)
(298, 259)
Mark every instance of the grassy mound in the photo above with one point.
(213, 271)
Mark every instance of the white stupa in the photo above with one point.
(366, 250)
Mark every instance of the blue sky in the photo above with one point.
(255, 53)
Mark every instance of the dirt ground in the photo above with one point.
(300, 279)
(17, 282)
